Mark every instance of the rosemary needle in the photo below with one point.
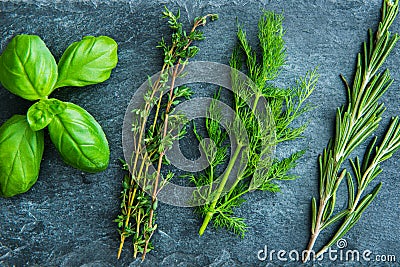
(354, 124)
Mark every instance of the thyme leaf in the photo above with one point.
(137, 218)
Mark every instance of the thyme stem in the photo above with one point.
(135, 204)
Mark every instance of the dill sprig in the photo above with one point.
(354, 124)
(285, 105)
(150, 144)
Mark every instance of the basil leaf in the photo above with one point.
(41, 113)
(88, 61)
(27, 68)
(80, 139)
(21, 151)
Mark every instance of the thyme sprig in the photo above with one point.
(354, 124)
(159, 137)
(286, 105)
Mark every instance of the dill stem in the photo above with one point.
(211, 181)
(235, 197)
(221, 186)
(253, 109)
(258, 95)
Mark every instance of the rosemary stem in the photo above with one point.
(354, 205)
(317, 230)
(322, 251)
(221, 186)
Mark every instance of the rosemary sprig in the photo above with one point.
(158, 138)
(354, 124)
(286, 105)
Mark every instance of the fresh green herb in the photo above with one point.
(260, 172)
(21, 151)
(29, 70)
(158, 137)
(79, 139)
(354, 124)
(140, 209)
(87, 62)
(43, 112)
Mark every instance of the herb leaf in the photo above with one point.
(159, 137)
(21, 151)
(88, 61)
(79, 139)
(27, 68)
(285, 105)
(42, 112)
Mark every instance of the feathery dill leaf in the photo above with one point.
(285, 106)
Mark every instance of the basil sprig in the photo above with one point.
(29, 70)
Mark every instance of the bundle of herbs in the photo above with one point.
(355, 123)
(154, 133)
(252, 151)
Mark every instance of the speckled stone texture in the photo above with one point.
(66, 219)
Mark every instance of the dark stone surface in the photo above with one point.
(66, 218)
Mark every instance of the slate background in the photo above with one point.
(66, 218)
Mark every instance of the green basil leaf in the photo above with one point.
(27, 68)
(80, 139)
(21, 151)
(41, 113)
(88, 61)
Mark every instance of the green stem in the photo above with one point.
(211, 179)
(235, 197)
(253, 108)
(221, 186)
